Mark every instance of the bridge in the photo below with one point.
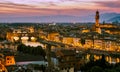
(21, 36)
(110, 56)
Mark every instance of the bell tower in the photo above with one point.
(97, 25)
(97, 19)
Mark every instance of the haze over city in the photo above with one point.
(10, 9)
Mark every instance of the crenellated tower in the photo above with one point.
(97, 25)
(97, 18)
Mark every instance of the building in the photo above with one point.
(69, 59)
(53, 36)
(9, 61)
(7, 44)
(6, 61)
(106, 27)
(97, 25)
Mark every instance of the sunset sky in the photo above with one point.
(56, 7)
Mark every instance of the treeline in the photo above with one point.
(31, 50)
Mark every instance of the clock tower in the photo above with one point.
(97, 25)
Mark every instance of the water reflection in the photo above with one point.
(34, 44)
(108, 58)
(32, 62)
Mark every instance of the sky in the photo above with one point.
(21, 8)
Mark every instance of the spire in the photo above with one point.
(97, 22)
(97, 18)
(97, 14)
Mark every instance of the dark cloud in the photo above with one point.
(52, 4)
(29, 7)
(21, 6)
(13, 5)
(48, 4)
(69, 0)
(26, 9)
(111, 4)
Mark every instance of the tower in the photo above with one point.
(32, 29)
(97, 19)
(97, 25)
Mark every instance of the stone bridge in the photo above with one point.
(21, 36)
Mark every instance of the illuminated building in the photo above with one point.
(85, 30)
(69, 58)
(10, 45)
(53, 36)
(6, 61)
(67, 40)
(31, 29)
(97, 25)
(9, 60)
(107, 27)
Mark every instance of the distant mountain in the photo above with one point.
(114, 19)
(52, 18)
(108, 17)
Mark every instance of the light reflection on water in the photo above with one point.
(107, 58)
(34, 44)
(31, 62)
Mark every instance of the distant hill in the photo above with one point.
(108, 17)
(114, 19)
(52, 18)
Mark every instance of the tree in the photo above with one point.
(31, 50)
(96, 69)
(82, 41)
(91, 57)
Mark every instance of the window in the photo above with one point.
(8, 58)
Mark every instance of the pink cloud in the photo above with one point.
(53, 7)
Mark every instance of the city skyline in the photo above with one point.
(18, 8)
(60, 36)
